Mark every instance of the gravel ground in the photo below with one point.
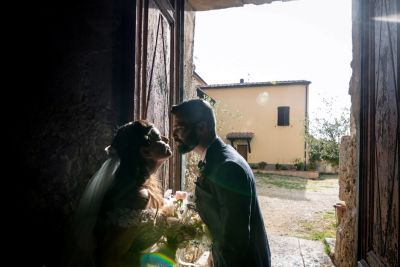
(283, 209)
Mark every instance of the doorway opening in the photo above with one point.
(296, 55)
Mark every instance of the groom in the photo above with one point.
(225, 192)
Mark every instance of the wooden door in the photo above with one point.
(378, 233)
(242, 149)
(157, 75)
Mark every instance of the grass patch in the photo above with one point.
(325, 176)
(330, 217)
(327, 248)
(281, 181)
(293, 182)
(323, 226)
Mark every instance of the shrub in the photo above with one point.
(262, 165)
(284, 167)
(254, 165)
(298, 164)
(312, 165)
(278, 166)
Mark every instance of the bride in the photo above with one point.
(115, 221)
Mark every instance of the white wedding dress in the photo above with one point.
(83, 241)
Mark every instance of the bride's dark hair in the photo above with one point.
(127, 142)
(132, 174)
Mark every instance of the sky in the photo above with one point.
(295, 40)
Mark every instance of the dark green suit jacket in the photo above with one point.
(227, 203)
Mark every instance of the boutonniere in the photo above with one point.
(201, 165)
(200, 179)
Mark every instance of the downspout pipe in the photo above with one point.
(306, 128)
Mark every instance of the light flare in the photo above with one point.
(262, 98)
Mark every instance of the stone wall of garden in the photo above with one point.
(346, 211)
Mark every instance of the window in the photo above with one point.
(283, 116)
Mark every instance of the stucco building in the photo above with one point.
(264, 121)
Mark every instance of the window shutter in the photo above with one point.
(283, 116)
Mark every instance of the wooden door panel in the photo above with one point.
(374, 260)
(242, 149)
(379, 144)
(386, 181)
(158, 70)
(158, 79)
(155, 79)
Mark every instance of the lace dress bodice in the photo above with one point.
(146, 225)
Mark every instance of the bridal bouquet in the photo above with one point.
(184, 233)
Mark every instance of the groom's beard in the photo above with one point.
(189, 144)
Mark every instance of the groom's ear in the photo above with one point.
(202, 127)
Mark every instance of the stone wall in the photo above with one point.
(346, 235)
(71, 105)
(346, 212)
(190, 160)
(188, 47)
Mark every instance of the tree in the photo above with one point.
(325, 132)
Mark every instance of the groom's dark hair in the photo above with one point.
(195, 110)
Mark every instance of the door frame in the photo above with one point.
(174, 12)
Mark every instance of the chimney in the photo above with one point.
(242, 80)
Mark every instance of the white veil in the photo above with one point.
(83, 242)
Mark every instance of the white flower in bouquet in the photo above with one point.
(184, 229)
(168, 194)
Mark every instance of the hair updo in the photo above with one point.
(130, 137)
(133, 173)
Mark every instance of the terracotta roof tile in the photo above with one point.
(255, 84)
(238, 135)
